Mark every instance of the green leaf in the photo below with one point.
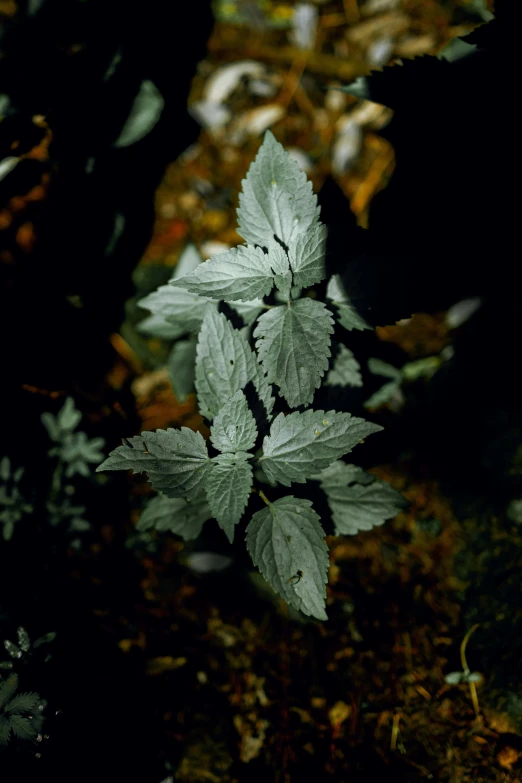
(359, 501)
(175, 515)
(301, 444)
(45, 639)
(22, 702)
(5, 468)
(345, 371)
(181, 368)
(63, 423)
(248, 311)
(183, 310)
(242, 273)
(234, 427)
(225, 364)
(22, 727)
(340, 473)
(158, 326)
(306, 255)
(348, 315)
(378, 367)
(7, 689)
(293, 343)
(286, 542)
(188, 261)
(5, 730)
(276, 199)
(175, 461)
(385, 394)
(23, 639)
(145, 113)
(281, 266)
(228, 486)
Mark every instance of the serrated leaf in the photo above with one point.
(345, 371)
(360, 506)
(22, 727)
(181, 368)
(228, 486)
(293, 344)
(22, 702)
(248, 311)
(348, 315)
(306, 254)
(8, 689)
(243, 273)
(225, 364)
(5, 730)
(340, 473)
(234, 427)
(301, 444)
(175, 515)
(175, 461)
(183, 310)
(276, 198)
(286, 542)
(281, 267)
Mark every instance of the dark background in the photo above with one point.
(433, 240)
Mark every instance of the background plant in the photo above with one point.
(273, 275)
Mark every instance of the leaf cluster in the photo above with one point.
(241, 389)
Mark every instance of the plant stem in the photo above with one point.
(264, 497)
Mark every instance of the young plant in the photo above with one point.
(267, 281)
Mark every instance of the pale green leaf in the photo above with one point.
(276, 198)
(228, 486)
(183, 310)
(306, 254)
(286, 542)
(359, 501)
(175, 515)
(175, 461)
(188, 261)
(348, 315)
(293, 343)
(181, 368)
(378, 367)
(225, 364)
(301, 444)
(385, 394)
(248, 311)
(234, 427)
(145, 113)
(242, 273)
(340, 473)
(23, 639)
(345, 371)
(281, 267)
(158, 326)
